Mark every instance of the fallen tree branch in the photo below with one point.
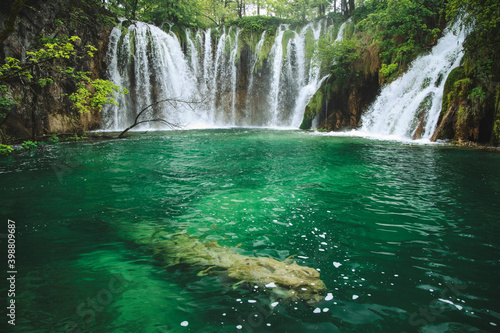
(170, 101)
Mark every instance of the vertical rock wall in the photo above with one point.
(45, 110)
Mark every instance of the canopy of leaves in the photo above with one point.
(482, 18)
(339, 57)
(189, 13)
(403, 28)
(182, 12)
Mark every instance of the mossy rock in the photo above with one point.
(180, 33)
(495, 138)
(287, 36)
(454, 76)
(264, 51)
(215, 35)
(122, 36)
(312, 109)
(309, 44)
(333, 31)
(132, 43)
(349, 30)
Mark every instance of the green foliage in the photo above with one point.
(388, 70)
(338, 58)
(481, 60)
(349, 30)
(75, 137)
(185, 13)
(7, 101)
(449, 88)
(5, 149)
(90, 94)
(54, 139)
(64, 49)
(259, 24)
(204, 13)
(287, 36)
(310, 44)
(29, 144)
(496, 124)
(402, 28)
(312, 109)
(477, 95)
(299, 10)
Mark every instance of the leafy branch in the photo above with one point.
(89, 94)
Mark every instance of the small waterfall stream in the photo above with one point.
(409, 107)
(276, 57)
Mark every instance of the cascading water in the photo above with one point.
(409, 107)
(313, 83)
(270, 89)
(151, 65)
(276, 57)
(254, 61)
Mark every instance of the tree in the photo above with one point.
(482, 46)
(43, 66)
(481, 61)
(402, 28)
(183, 12)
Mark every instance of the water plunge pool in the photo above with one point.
(405, 237)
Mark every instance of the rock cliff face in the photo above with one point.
(45, 110)
(340, 107)
(465, 117)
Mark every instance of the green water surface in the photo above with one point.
(405, 237)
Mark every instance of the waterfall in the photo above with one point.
(269, 89)
(207, 60)
(314, 82)
(193, 53)
(151, 65)
(255, 59)
(234, 74)
(276, 57)
(409, 107)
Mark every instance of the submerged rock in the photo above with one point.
(283, 280)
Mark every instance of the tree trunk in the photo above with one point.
(343, 7)
(352, 6)
(134, 10)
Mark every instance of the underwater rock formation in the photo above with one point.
(284, 280)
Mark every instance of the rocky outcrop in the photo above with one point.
(469, 114)
(46, 110)
(339, 106)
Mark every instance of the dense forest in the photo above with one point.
(385, 37)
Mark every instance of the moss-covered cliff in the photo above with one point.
(340, 102)
(471, 108)
(385, 44)
(46, 109)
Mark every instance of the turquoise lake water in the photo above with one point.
(405, 237)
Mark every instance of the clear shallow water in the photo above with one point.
(406, 238)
